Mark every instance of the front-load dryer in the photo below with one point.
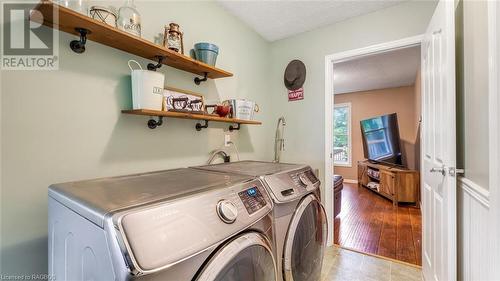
(299, 219)
(177, 225)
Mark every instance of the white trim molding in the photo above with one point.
(329, 168)
(351, 181)
(329, 104)
(477, 192)
(349, 135)
(374, 49)
(345, 165)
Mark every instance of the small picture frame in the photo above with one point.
(179, 100)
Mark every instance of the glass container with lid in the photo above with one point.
(129, 19)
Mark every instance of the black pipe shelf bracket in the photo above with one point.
(154, 67)
(232, 128)
(199, 126)
(152, 123)
(78, 46)
(198, 80)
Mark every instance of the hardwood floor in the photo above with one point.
(370, 223)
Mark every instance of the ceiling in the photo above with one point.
(392, 69)
(276, 20)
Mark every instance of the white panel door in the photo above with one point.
(439, 144)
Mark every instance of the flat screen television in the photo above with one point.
(381, 142)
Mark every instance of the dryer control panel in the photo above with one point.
(290, 185)
(304, 178)
(252, 199)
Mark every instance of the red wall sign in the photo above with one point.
(294, 95)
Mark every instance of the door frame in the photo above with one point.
(330, 60)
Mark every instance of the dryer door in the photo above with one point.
(247, 257)
(305, 242)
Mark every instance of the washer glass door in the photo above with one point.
(247, 257)
(305, 242)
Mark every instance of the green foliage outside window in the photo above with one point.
(340, 127)
(341, 131)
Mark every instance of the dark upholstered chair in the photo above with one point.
(338, 185)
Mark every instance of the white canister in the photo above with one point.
(243, 109)
(147, 88)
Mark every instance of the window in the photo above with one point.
(342, 135)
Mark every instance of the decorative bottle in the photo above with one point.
(129, 19)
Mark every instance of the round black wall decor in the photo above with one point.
(295, 75)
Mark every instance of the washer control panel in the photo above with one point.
(252, 199)
(227, 211)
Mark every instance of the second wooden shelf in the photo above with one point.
(186, 115)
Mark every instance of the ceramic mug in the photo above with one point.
(221, 110)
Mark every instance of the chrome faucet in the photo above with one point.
(279, 140)
(217, 152)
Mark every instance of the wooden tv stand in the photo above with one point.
(395, 183)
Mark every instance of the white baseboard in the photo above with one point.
(350, 181)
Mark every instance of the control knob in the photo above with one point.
(304, 180)
(227, 211)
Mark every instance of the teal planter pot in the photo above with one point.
(206, 52)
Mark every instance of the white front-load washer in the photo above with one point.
(299, 219)
(174, 225)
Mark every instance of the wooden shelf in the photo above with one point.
(113, 37)
(183, 115)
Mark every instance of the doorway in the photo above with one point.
(371, 220)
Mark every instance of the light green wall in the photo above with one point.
(305, 129)
(473, 90)
(66, 125)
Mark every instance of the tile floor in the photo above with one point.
(340, 264)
